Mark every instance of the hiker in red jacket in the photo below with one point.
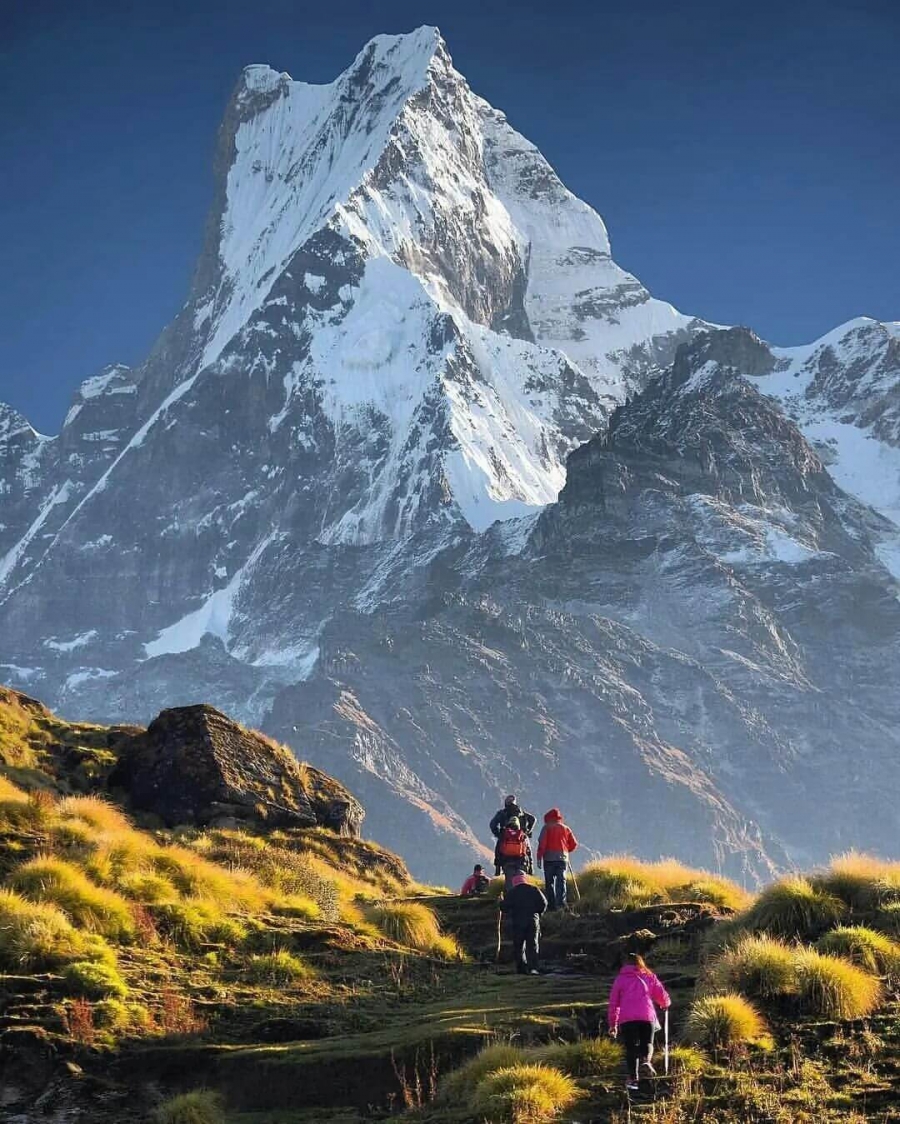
(632, 1015)
(555, 843)
(476, 884)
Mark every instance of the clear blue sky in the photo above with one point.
(745, 156)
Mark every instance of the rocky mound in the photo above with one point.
(192, 766)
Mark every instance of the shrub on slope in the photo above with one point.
(834, 988)
(866, 948)
(760, 967)
(414, 925)
(725, 1021)
(524, 1094)
(38, 935)
(794, 907)
(91, 907)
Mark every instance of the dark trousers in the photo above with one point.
(526, 941)
(637, 1038)
(510, 870)
(555, 883)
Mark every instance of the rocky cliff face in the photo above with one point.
(326, 502)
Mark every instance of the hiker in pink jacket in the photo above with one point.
(632, 1015)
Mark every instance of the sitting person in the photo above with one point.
(476, 883)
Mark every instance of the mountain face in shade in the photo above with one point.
(327, 502)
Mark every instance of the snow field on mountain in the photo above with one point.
(299, 158)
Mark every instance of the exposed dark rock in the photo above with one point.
(193, 764)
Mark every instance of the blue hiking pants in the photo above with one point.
(555, 883)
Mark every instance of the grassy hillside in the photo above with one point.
(220, 975)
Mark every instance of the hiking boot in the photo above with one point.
(534, 972)
(632, 1087)
(648, 1069)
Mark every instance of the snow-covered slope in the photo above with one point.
(352, 437)
(843, 391)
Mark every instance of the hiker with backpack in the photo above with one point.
(522, 906)
(555, 843)
(632, 1015)
(476, 884)
(512, 855)
(511, 808)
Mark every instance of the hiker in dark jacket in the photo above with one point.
(522, 906)
(511, 808)
(512, 855)
(555, 843)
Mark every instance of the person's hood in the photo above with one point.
(553, 816)
(630, 970)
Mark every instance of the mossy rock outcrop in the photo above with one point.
(194, 765)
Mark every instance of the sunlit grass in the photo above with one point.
(794, 907)
(725, 1021)
(92, 907)
(38, 935)
(413, 925)
(525, 1094)
(866, 948)
(833, 988)
(760, 967)
(624, 882)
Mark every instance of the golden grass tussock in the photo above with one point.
(725, 1021)
(11, 792)
(460, 1084)
(193, 921)
(794, 908)
(91, 907)
(101, 814)
(414, 925)
(834, 988)
(687, 1060)
(277, 969)
(760, 967)
(37, 935)
(624, 882)
(287, 872)
(199, 1107)
(867, 948)
(525, 1094)
(862, 881)
(588, 1057)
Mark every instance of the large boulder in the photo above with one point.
(194, 765)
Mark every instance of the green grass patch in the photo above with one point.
(200, 1107)
(91, 907)
(94, 980)
(38, 935)
(278, 969)
(588, 1057)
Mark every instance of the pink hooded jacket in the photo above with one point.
(632, 997)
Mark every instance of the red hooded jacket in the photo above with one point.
(556, 841)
